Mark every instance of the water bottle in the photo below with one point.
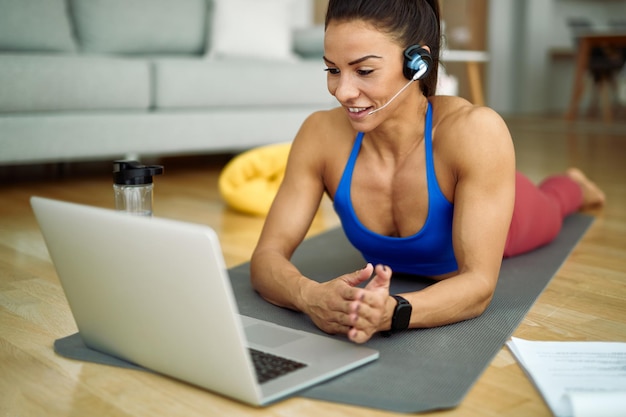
(132, 186)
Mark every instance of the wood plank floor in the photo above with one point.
(586, 300)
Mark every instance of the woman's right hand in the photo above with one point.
(333, 305)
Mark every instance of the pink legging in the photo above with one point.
(539, 211)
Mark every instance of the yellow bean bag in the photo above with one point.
(250, 181)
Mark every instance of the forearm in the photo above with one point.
(278, 281)
(454, 299)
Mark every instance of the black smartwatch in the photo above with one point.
(401, 316)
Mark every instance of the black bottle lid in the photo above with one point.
(126, 172)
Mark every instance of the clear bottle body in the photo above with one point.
(134, 199)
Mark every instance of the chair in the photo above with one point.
(605, 63)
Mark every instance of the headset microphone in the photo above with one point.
(392, 98)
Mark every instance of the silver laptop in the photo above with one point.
(156, 292)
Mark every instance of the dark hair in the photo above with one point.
(409, 22)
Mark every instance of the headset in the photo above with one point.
(417, 62)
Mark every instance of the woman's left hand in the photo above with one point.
(369, 313)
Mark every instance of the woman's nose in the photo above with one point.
(344, 88)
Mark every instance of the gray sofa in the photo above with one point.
(105, 79)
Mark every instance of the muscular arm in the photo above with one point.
(331, 304)
(484, 167)
(290, 217)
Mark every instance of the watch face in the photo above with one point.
(403, 317)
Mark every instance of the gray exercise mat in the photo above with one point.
(419, 370)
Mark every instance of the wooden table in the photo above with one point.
(585, 44)
(473, 60)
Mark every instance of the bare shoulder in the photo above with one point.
(466, 131)
(322, 135)
(324, 125)
(460, 117)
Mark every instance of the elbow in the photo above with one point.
(484, 292)
(255, 277)
(258, 264)
(482, 305)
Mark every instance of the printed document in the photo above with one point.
(576, 379)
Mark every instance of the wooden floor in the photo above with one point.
(585, 301)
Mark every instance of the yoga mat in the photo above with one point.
(418, 370)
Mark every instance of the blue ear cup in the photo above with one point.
(417, 62)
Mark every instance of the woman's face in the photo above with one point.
(364, 67)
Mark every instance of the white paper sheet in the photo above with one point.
(576, 379)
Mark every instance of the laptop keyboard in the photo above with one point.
(270, 366)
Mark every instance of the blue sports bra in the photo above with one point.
(429, 252)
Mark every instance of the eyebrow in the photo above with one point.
(356, 61)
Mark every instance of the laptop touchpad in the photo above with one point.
(270, 336)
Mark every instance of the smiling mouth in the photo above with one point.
(357, 109)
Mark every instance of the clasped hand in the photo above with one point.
(340, 307)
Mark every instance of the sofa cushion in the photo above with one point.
(260, 29)
(186, 83)
(35, 25)
(31, 83)
(141, 26)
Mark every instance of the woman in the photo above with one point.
(423, 184)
